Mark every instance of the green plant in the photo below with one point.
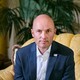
(29, 10)
(63, 12)
(10, 18)
(23, 35)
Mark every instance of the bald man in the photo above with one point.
(44, 59)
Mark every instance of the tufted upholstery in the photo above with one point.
(70, 40)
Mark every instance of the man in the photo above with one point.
(44, 59)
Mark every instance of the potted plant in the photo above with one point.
(64, 14)
(9, 18)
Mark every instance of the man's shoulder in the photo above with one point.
(62, 48)
(28, 46)
(27, 49)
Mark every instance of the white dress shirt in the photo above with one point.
(42, 61)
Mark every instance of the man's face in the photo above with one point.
(43, 32)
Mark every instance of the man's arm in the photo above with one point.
(70, 68)
(18, 69)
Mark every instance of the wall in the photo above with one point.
(13, 3)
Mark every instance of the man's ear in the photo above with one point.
(32, 32)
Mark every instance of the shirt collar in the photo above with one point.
(47, 52)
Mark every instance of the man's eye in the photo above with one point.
(39, 31)
(48, 31)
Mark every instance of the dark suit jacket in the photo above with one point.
(60, 67)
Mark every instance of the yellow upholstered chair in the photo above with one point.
(67, 39)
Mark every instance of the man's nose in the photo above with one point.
(43, 35)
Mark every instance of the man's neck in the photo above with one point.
(42, 51)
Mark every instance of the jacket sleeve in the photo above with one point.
(18, 68)
(69, 73)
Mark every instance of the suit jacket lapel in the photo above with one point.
(52, 60)
(32, 63)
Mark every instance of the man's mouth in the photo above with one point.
(43, 41)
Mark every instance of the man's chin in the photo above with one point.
(44, 46)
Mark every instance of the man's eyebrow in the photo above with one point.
(49, 29)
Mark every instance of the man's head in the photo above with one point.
(43, 31)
